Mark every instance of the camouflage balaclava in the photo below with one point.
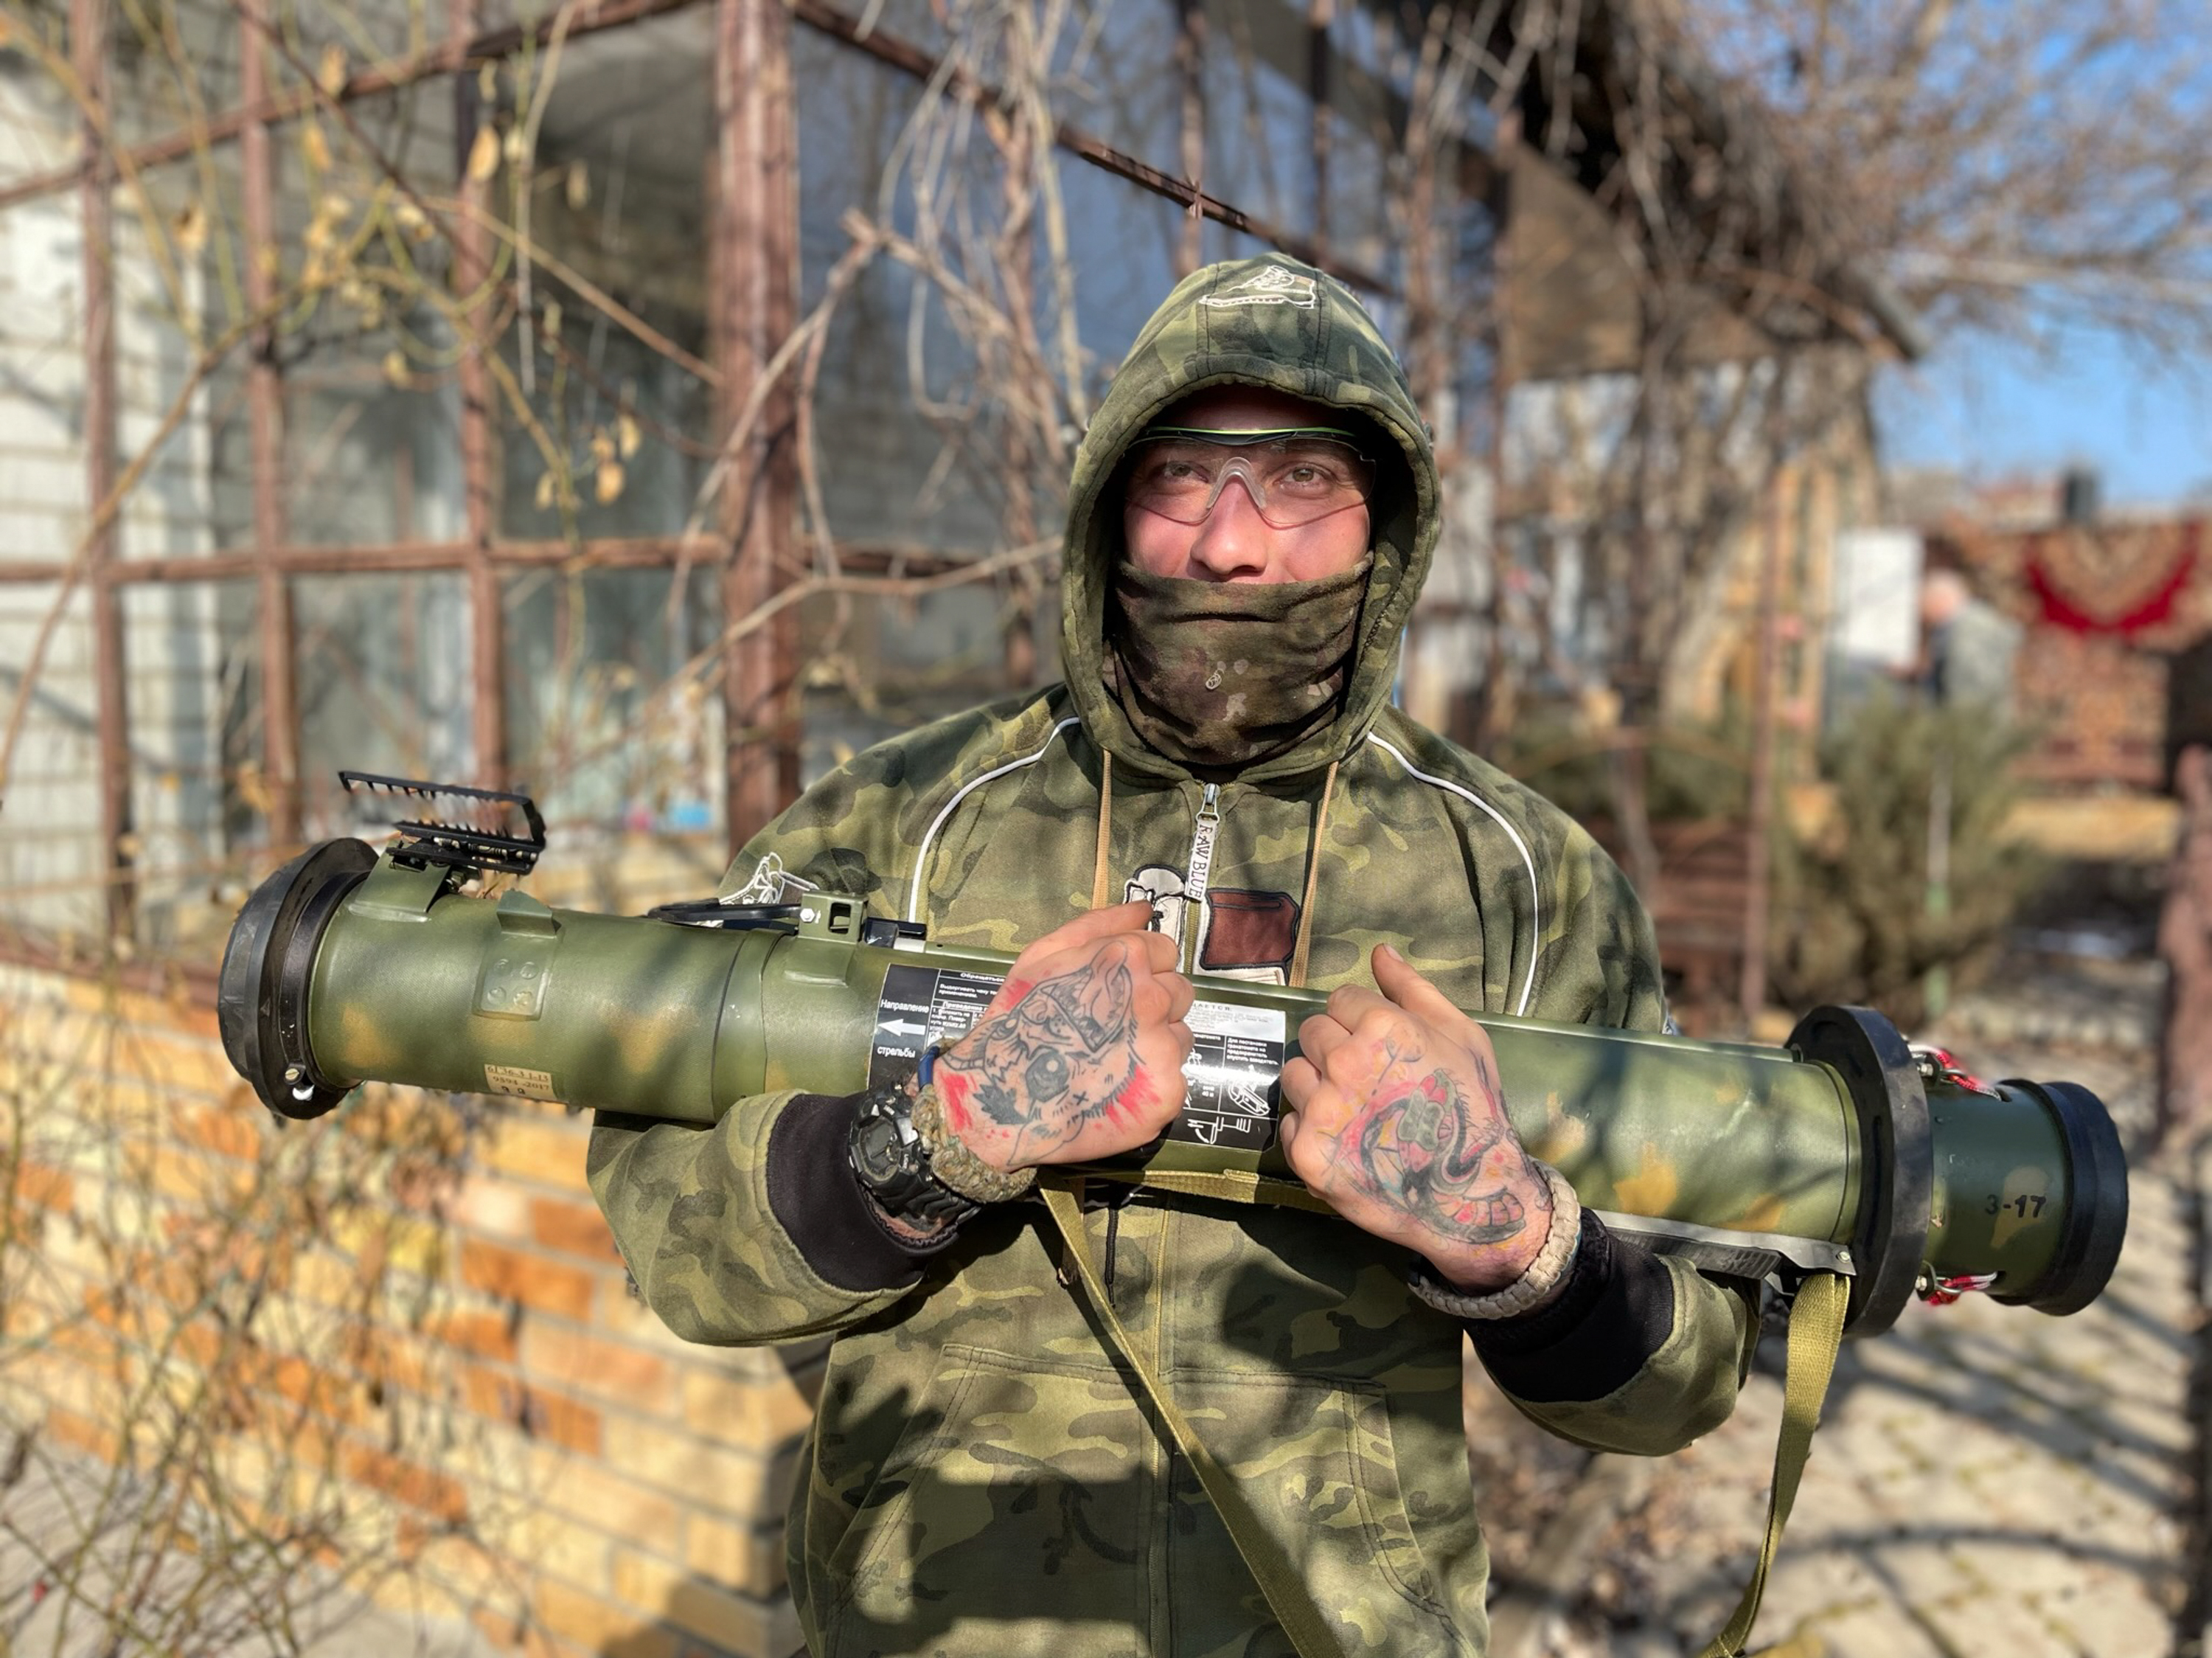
(1221, 674)
(1268, 321)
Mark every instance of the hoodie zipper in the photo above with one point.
(1200, 870)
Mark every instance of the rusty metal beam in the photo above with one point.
(1752, 985)
(863, 558)
(463, 53)
(193, 982)
(459, 54)
(1320, 15)
(888, 48)
(96, 175)
(1190, 70)
(885, 48)
(265, 398)
(752, 216)
(479, 460)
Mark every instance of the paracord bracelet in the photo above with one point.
(1533, 1285)
(949, 1159)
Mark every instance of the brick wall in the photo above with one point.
(405, 1331)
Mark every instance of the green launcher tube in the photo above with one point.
(1844, 1151)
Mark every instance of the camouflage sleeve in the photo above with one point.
(1640, 1354)
(1601, 960)
(754, 1230)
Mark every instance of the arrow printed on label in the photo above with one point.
(904, 1028)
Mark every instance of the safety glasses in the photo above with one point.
(1294, 475)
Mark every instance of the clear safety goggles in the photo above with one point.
(1294, 475)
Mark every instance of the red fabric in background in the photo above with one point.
(2060, 610)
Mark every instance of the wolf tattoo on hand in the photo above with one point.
(1048, 1060)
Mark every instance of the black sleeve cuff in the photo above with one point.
(1617, 1310)
(818, 1201)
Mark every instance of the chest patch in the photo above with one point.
(1244, 933)
(1246, 929)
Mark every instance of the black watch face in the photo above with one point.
(876, 1150)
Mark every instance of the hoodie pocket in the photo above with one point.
(1014, 1507)
(1315, 1460)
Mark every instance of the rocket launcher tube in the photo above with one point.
(1836, 1153)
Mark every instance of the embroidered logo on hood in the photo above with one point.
(1272, 285)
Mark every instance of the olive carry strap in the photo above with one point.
(1816, 1334)
(1278, 1580)
(1816, 1331)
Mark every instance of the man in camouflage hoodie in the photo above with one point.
(987, 1474)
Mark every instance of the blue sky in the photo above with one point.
(1992, 409)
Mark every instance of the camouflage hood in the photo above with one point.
(1266, 321)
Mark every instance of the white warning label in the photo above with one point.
(1232, 1075)
(920, 1006)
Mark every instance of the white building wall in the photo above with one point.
(51, 863)
(50, 813)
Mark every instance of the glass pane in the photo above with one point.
(1360, 191)
(385, 684)
(912, 438)
(612, 702)
(891, 664)
(371, 430)
(595, 405)
(194, 710)
(179, 272)
(1258, 115)
(339, 37)
(51, 856)
(172, 64)
(42, 477)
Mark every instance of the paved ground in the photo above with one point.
(1987, 1479)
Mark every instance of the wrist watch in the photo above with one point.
(892, 1165)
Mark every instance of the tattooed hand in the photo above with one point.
(1393, 1113)
(1080, 1054)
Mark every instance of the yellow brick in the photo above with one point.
(77, 1035)
(416, 1596)
(609, 1496)
(179, 1063)
(731, 1621)
(245, 1469)
(490, 1204)
(708, 1475)
(106, 1000)
(644, 1582)
(554, 1353)
(494, 1457)
(74, 1249)
(125, 1104)
(475, 1575)
(596, 1624)
(624, 1316)
(407, 1243)
(549, 1153)
(747, 1558)
(758, 1416)
(555, 1547)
